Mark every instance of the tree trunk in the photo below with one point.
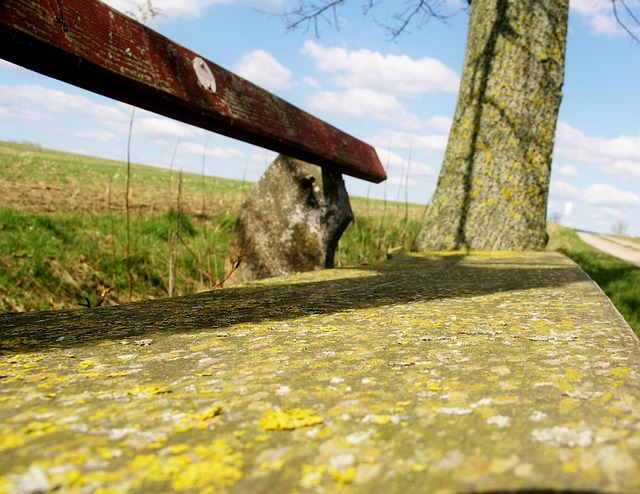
(493, 187)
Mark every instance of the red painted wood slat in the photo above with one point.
(90, 45)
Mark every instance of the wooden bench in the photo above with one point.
(440, 373)
(90, 45)
(494, 372)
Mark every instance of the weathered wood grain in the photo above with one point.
(90, 45)
(488, 372)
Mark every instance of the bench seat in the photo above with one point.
(434, 373)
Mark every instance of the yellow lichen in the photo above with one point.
(183, 427)
(10, 440)
(116, 374)
(148, 390)
(312, 476)
(573, 375)
(108, 454)
(343, 476)
(467, 348)
(214, 411)
(274, 420)
(86, 364)
(39, 429)
(90, 375)
(620, 372)
(274, 466)
(380, 419)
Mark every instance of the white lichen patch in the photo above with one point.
(342, 461)
(35, 479)
(501, 421)
(583, 395)
(499, 466)
(283, 390)
(381, 419)
(563, 437)
(537, 416)
(482, 403)
(358, 437)
(455, 410)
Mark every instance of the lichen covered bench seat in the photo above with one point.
(435, 373)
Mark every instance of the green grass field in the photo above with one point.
(618, 279)
(63, 234)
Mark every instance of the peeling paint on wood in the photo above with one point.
(90, 45)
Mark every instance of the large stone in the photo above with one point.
(291, 221)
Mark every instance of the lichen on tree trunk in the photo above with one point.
(493, 187)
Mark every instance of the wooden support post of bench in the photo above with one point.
(90, 45)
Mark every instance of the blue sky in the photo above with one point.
(398, 95)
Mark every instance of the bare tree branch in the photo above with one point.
(309, 13)
(425, 10)
(625, 16)
(146, 11)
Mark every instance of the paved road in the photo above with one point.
(620, 249)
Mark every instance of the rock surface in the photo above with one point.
(291, 222)
(441, 373)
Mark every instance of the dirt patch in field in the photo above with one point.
(41, 180)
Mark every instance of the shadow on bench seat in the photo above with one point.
(501, 372)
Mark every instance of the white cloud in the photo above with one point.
(564, 190)
(619, 156)
(96, 135)
(567, 171)
(185, 9)
(421, 169)
(596, 205)
(19, 110)
(440, 123)
(596, 194)
(402, 181)
(4, 65)
(311, 82)
(263, 69)
(216, 152)
(61, 102)
(393, 160)
(607, 194)
(598, 15)
(363, 105)
(389, 74)
(429, 143)
(608, 213)
(260, 160)
(161, 127)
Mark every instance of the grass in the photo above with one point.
(618, 279)
(63, 229)
(55, 260)
(41, 180)
(379, 228)
(62, 233)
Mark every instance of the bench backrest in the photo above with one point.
(88, 44)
